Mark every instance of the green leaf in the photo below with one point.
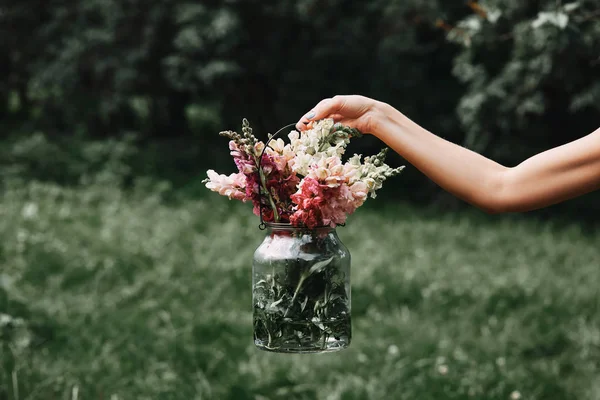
(318, 267)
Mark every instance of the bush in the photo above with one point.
(68, 160)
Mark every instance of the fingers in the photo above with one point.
(302, 124)
(336, 117)
(327, 108)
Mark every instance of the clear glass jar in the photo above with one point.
(301, 290)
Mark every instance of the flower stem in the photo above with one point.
(263, 182)
(300, 282)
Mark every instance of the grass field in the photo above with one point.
(113, 295)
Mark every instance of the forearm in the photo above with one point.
(460, 171)
(547, 178)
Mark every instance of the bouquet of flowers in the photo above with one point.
(304, 182)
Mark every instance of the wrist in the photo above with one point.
(387, 120)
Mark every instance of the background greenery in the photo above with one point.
(506, 78)
(122, 278)
(140, 294)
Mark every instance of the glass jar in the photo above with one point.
(301, 290)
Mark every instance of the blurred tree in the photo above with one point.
(105, 66)
(506, 78)
(531, 70)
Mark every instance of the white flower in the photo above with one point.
(277, 145)
(323, 127)
(515, 395)
(258, 148)
(293, 135)
(314, 144)
(301, 163)
(443, 369)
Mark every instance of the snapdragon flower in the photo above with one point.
(304, 182)
(232, 186)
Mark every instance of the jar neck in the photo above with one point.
(286, 229)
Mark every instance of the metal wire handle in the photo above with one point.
(262, 225)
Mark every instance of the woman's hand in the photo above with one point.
(355, 111)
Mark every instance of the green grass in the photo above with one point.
(113, 295)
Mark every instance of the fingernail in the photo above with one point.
(310, 115)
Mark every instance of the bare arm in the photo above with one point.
(547, 178)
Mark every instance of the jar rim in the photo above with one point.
(287, 225)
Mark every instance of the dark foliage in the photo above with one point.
(506, 78)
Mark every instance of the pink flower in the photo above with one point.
(320, 203)
(329, 171)
(309, 198)
(279, 160)
(309, 218)
(280, 183)
(252, 185)
(243, 161)
(232, 186)
(339, 205)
